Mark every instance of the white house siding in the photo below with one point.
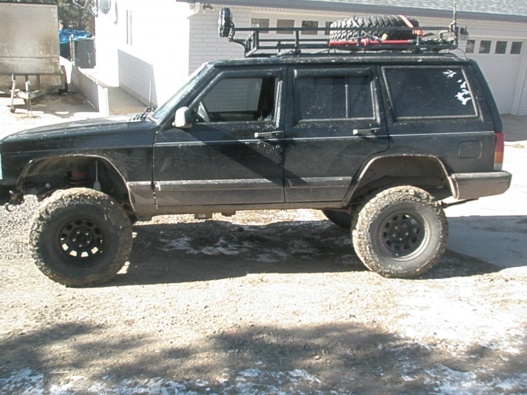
(147, 47)
(170, 39)
(205, 43)
(505, 72)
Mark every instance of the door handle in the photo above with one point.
(268, 135)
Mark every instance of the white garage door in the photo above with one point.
(501, 62)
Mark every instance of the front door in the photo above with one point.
(233, 153)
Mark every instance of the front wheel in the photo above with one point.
(80, 237)
(401, 232)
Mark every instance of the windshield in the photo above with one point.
(166, 109)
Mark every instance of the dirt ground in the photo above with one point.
(268, 302)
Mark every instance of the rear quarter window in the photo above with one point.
(429, 92)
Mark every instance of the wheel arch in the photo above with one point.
(423, 171)
(43, 176)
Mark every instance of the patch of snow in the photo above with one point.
(247, 382)
(438, 380)
(516, 385)
(177, 244)
(299, 374)
(447, 381)
(23, 382)
(222, 247)
(250, 373)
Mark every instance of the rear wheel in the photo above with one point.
(400, 232)
(80, 237)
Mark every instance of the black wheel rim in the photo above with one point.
(81, 241)
(403, 234)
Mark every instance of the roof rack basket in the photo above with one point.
(416, 38)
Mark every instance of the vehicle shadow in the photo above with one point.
(514, 128)
(213, 250)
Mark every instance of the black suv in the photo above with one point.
(377, 137)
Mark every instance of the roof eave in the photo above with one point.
(365, 9)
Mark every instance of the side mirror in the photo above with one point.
(183, 118)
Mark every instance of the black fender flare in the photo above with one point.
(426, 171)
(36, 166)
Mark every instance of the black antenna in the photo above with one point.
(150, 94)
(454, 28)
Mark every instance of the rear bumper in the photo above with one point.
(475, 185)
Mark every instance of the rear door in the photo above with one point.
(335, 124)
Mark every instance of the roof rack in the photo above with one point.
(362, 38)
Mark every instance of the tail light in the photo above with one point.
(499, 149)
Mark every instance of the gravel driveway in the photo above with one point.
(262, 302)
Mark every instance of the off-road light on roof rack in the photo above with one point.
(371, 33)
(225, 24)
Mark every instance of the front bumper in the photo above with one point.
(475, 185)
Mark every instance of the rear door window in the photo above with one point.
(429, 92)
(332, 95)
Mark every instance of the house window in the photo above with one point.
(262, 23)
(501, 47)
(327, 32)
(287, 24)
(471, 44)
(516, 48)
(313, 25)
(484, 46)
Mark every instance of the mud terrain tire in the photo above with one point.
(376, 26)
(401, 232)
(80, 237)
